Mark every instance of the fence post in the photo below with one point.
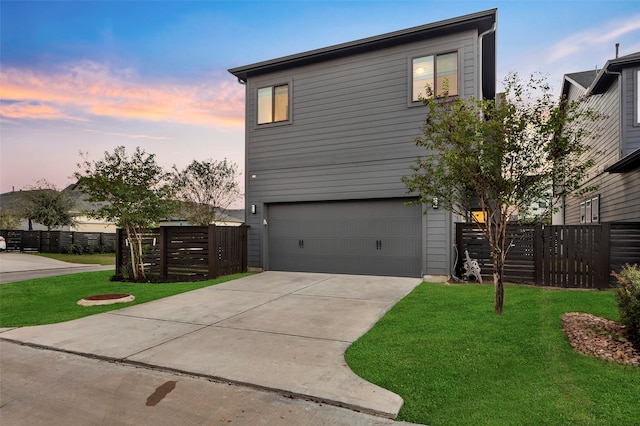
(604, 264)
(245, 254)
(213, 252)
(459, 245)
(163, 252)
(538, 254)
(118, 252)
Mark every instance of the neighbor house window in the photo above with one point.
(590, 210)
(595, 209)
(638, 97)
(439, 72)
(273, 104)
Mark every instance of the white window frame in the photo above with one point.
(590, 210)
(595, 209)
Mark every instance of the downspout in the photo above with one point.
(480, 39)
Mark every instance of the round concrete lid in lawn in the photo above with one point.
(106, 299)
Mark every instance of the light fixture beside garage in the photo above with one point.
(253, 209)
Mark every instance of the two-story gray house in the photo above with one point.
(614, 91)
(331, 132)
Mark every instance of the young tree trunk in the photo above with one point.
(498, 269)
(499, 258)
(132, 252)
(140, 254)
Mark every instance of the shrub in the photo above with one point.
(74, 249)
(628, 298)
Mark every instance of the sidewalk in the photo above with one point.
(279, 331)
(20, 266)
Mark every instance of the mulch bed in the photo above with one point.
(600, 337)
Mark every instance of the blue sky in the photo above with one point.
(89, 76)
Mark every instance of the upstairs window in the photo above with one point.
(638, 97)
(439, 72)
(273, 104)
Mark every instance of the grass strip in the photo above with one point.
(54, 299)
(85, 259)
(455, 362)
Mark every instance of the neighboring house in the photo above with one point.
(329, 135)
(613, 91)
(9, 202)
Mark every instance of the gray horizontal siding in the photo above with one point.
(619, 192)
(438, 236)
(373, 179)
(349, 105)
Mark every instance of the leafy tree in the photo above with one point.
(44, 204)
(207, 188)
(501, 156)
(134, 192)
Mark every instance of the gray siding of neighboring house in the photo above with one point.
(351, 136)
(619, 192)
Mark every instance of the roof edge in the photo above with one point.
(610, 70)
(625, 164)
(368, 43)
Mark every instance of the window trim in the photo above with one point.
(590, 210)
(435, 55)
(636, 94)
(289, 120)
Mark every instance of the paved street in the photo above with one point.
(271, 335)
(44, 387)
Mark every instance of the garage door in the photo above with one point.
(376, 237)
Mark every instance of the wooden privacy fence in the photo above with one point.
(58, 241)
(578, 256)
(187, 253)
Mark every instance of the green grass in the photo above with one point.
(455, 362)
(54, 299)
(92, 259)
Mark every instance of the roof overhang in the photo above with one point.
(626, 164)
(481, 21)
(610, 71)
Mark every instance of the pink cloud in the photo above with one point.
(21, 110)
(95, 89)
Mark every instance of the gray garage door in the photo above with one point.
(376, 237)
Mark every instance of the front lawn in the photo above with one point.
(455, 362)
(54, 299)
(92, 259)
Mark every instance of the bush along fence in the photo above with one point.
(569, 256)
(59, 241)
(186, 253)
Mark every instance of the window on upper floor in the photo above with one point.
(638, 97)
(273, 104)
(439, 72)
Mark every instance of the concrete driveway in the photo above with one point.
(279, 331)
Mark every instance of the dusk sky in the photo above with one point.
(89, 76)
